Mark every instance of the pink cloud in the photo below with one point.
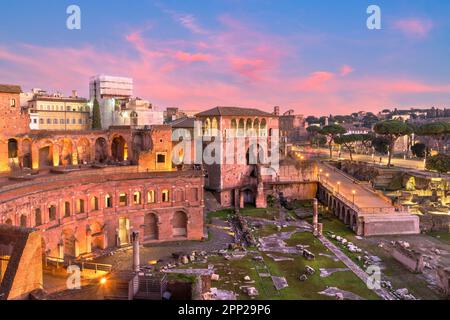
(414, 27)
(346, 70)
(234, 65)
(316, 81)
(193, 57)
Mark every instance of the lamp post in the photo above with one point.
(320, 172)
(338, 186)
(353, 193)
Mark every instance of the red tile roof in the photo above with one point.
(234, 111)
(8, 88)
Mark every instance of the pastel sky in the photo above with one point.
(316, 57)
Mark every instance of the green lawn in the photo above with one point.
(232, 272)
(221, 214)
(393, 271)
(443, 236)
(269, 213)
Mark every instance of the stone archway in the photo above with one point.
(151, 226)
(138, 145)
(124, 231)
(179, 224)
(67, 149)
(69, 242)
(101, 150)
(97, 235)
(119, 149)
(347, 217)
(84, 151)
(13, 153)
(46, 155)
(26, 154)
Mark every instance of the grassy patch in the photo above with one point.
(221, 214)
(443, 236)
(268, 213)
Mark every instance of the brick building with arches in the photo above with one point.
(90, 189)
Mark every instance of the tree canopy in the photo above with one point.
(96, 116)
(332, 131)
(392, 130)
(439, 163)
(349, 142)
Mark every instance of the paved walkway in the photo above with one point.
(353, 267)
(344, 185)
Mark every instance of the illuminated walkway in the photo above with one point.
(353, 191)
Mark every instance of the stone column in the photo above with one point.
(88, 240)
(61, 250)
(136, 260)
(315, 216)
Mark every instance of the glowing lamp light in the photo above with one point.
(153, 262)
(103, 281)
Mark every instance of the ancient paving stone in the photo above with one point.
(279, 283)
(328, 272)
(335, 292)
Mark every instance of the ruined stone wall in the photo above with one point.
(434, 223)
(297, 191)
(28, 276)
(12, 120)
(159, 158)
(377, 225)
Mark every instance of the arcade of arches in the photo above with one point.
(44, 150)
(103, 211)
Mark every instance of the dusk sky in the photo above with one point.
(316, 57)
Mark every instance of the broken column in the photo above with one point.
(315, 216)
(135, 241)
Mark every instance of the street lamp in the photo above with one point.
(353, 193)
(338, 186)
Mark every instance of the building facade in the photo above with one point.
(240, 136)
(91, 188)
(56, 112)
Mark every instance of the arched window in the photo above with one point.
(108, 201)
(151, 196)
(80, 206)
(67, 209)
(263, 128)
(214, 127)
(12, 149)
(94, 204)
(233, 128)
(256, 127)
(37, 217)
(137, 198)
(207, 127)
(52, 213)
(248, 127)
(134, 118)
(23, 221)
(165, 196)
(241, 129)
(123, 199)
